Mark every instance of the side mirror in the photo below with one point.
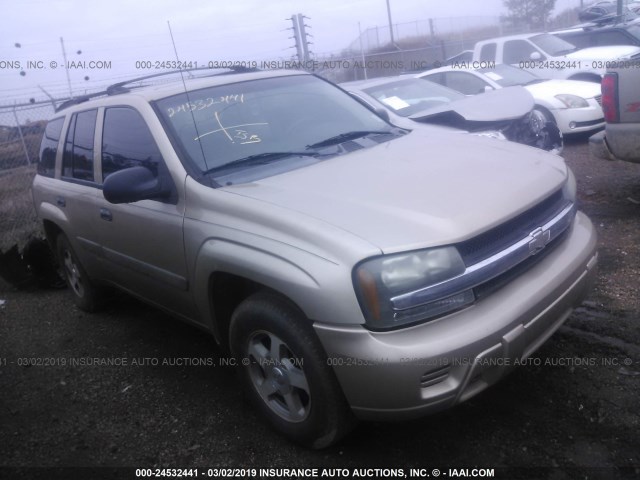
(535, 56)
(133, 184)
(383, 113)
(488, 88)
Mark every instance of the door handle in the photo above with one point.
(106, 214)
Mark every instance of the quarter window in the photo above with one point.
(49, 147)
(77, 161)
(127, 142)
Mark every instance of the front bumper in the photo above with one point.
(423, 369)
(578, 120)
(598, 146)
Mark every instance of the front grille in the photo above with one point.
(599, 99)
(499, 238)
(487, 288)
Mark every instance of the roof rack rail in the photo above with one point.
(77, 100)
(119, 88)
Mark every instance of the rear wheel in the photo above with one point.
(85, 295)
(283, 369)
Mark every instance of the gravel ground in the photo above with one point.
(570, 413)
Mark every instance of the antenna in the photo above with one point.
(193, 118)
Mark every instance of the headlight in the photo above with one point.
(572, 101)
(380, 280)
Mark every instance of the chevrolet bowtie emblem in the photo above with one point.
(540, 238)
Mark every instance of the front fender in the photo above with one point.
(321, 288)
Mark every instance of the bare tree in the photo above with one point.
(533, 13)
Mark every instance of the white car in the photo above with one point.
(573, 105)
(410, 102)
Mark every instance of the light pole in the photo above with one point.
(393, 42)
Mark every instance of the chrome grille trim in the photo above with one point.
(599, 99)
(491, 267)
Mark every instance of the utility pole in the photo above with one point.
(393, 42)
(66, 67)
(304, 36)
(300, 36)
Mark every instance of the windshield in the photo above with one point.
(508, 76)
(412, 95)
(260, 121)
(552, 45)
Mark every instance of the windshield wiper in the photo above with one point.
(343, 137)
(261, 159)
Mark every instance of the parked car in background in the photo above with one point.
(574, 106)
(595, 35)
(552, 57)
(508, 111)
(465, 56)
(597, 10)
(621, 103)
(353, 268)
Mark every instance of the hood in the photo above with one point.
(558, 87)
(611, 52)
(416, 191)
(497, 105)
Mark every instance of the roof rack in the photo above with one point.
(120, 87)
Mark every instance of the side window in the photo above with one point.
(466, 83)
(580, 40)
(127, 142)
(612, 37)
(517, 51)
(49, 147)
(488, 52)
(77, 161)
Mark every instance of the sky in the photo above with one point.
(106, 41)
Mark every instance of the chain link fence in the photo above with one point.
(21, 129)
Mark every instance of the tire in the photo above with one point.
(283, 370)
(544, 125)
(86, 296)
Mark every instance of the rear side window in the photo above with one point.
(49, 147)
(488, 52)
(77, 161)
(127, 142)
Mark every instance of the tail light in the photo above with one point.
(610, 98)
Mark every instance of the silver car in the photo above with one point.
(356, 270)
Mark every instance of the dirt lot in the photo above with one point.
(573, 412)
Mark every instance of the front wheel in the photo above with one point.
(546, 132)
(283, 369)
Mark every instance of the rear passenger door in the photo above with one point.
(142, 242)
(77, 192)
